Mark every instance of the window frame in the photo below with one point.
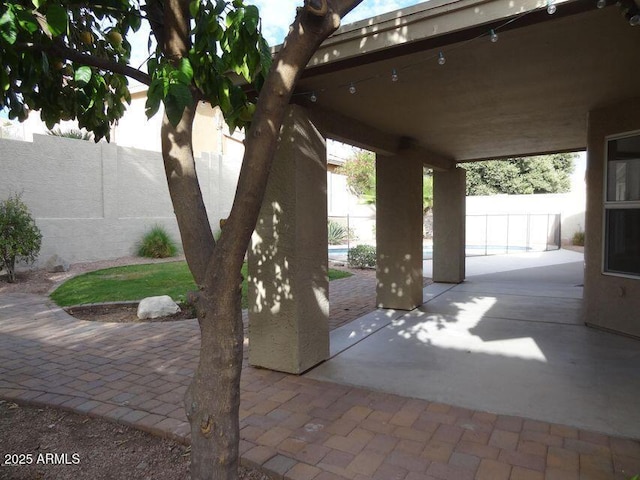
(614, 205)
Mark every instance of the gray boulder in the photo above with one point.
(154, 307)
(57, 264)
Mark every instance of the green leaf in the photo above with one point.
(152, 65)
(265, 55)
(252, 18)
(4, 82)
(82, 76)
(37, 3)
(223, 95)
(245, 72)
(194, 7)
(45, 63)
(27, 21)
(186, 68)
(135, 21)
(220, 6)
(155, 89)
(234, 18)
(175, 102)
(8, 29)
(152, 106)
(57, 19)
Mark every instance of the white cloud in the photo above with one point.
(277, 16)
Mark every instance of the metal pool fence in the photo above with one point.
(490, 234)
(512, 233)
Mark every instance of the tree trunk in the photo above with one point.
(212, 400)
(11, 270)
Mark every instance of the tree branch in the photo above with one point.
(101, 63)
(177, 152)
(61, 51)
(305, 36)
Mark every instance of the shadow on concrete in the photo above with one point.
(510, 343)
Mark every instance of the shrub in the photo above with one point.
(362, 256)
(157, 244)
(20, 238)
(578, 238)
(337, 233)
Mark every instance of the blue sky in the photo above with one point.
(278, 15)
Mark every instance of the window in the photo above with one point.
(622, 207)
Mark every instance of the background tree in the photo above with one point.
(20, 238)
(70, 59)
(517, 176)
(360, 170)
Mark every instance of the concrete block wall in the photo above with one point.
(96, 201)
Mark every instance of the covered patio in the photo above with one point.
(511, 342)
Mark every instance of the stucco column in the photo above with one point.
(449, 212)
(399, 231)
(288, 283)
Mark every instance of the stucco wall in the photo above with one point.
(612, 302)
(346, 209)
(95, 201)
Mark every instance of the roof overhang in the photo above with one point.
(529, 93)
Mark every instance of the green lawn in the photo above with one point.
(135, 282)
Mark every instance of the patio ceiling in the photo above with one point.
(529, 93)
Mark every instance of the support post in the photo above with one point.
(449, 216)
(399, 231)
(288, 282)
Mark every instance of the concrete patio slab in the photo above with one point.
(510, 342)
(348, 335)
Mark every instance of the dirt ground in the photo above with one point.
(60, 445)
(105, 450)
(121, 313)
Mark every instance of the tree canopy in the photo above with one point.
(360, 170)
(517, 176)
(70, 60)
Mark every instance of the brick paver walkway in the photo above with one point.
(353, 297)
(292, 427)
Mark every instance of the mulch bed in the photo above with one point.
(121, 313)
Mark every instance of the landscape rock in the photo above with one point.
(154, 307)
(57, 264)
